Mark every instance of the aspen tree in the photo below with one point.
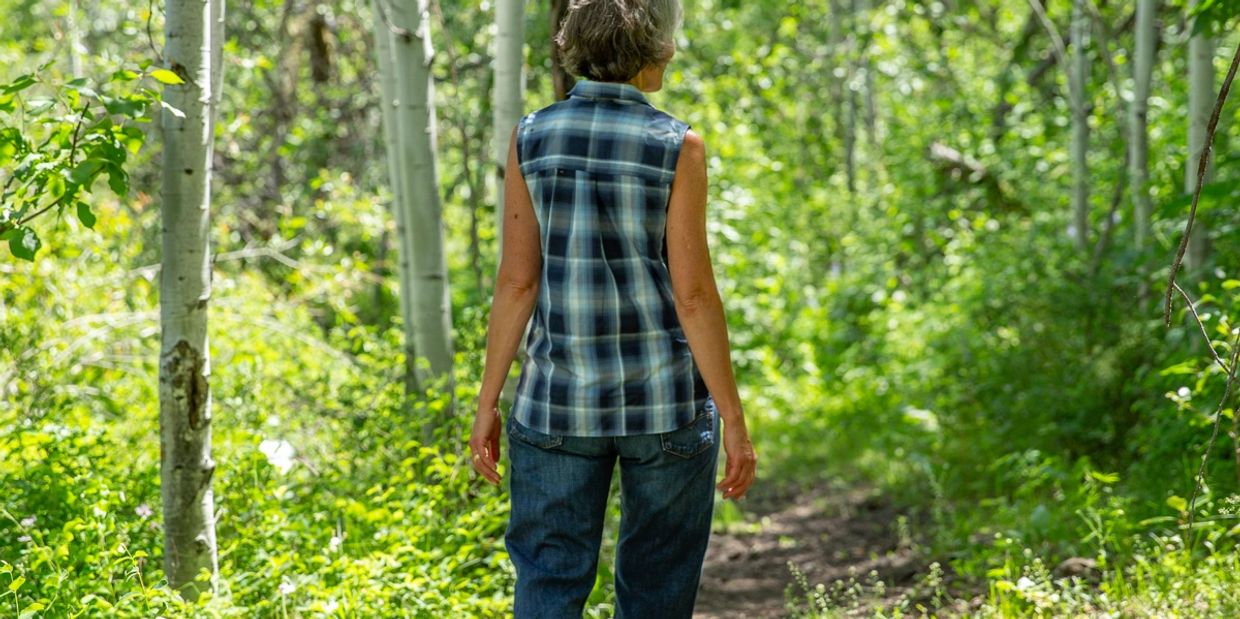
(194, 31)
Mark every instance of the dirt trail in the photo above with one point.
(825, 531)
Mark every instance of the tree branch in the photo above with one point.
(1201, 174)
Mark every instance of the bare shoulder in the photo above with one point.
(692, 152)
(693, 145)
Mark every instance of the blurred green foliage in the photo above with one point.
(911, 324)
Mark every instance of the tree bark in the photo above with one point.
(1138, 138)
(416, 127)
(507, 109)
(1201, 97)
(508, 98)
(194, 34)
(73, 35)
(399, 204)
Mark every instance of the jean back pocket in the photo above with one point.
(531, 436)
(694, 438)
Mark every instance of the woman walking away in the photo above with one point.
(628, 358)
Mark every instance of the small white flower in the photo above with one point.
(287, 588)
(24, 538)
(334, 543)
(1025, 583)
(279, 453)
(99, 513)
(1184, 392)
(28, 521)
(144, 511)
(330, 606)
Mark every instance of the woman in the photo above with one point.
(627, 353)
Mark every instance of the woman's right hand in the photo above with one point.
(742, 460)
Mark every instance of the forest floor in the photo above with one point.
(835, 535)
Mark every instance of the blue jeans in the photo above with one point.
(559, 487)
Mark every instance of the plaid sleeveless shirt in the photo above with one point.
(606, 355)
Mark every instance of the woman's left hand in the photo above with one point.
(484, 444)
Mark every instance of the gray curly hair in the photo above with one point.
(613, 40)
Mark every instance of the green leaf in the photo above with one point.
(1177, 503)
(17, 583)
(1106, 478)
(1183, 367)
(24, 244)
(118, 180)
(123, 75)
(133, 139)
(85, 172)
(84, 90)
(128, 106)
(83, 212)
(167, 77)
(40, 105)
(19, 84)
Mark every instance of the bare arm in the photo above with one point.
(698, 305)
(516, 286)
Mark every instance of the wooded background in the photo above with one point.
(948, 236)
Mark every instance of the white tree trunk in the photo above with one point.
(415, 121)
(1201, 98)
(1138, 121)
(1078, 76)
(73, 36)
(508, 105)
(194, 33)
(399, 204)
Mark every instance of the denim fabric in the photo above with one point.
(559, 488)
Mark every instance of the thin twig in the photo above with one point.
(1104, 239)
(72, 153)
(1201, 175)
(150, 38)
(1061, 50)
(1104, 33)
(475, 257)
(1218, 417)
(1204, 333)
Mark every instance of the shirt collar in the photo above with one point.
(590, 89)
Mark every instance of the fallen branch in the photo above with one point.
(973, 172)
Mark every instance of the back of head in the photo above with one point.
(613, 40)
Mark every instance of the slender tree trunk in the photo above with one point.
(508, 106)
(509, 95)
(1201, 97)
(1079, 77)
(415, 120)
(843, 96)
(194, 35)
(867, 71)
(73, 35)
(1138, 135)
(560, 79)
(399, 204)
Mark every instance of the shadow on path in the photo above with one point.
(829, 532)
